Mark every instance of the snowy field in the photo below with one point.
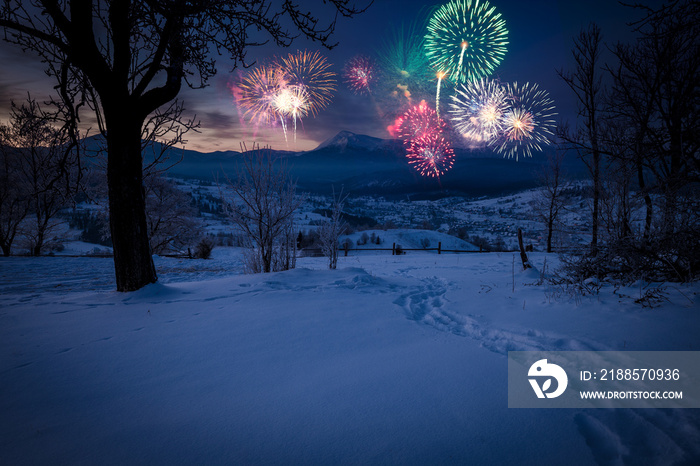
(387, 360)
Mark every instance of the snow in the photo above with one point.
(409, 239)
(389, 359)
(343, 139)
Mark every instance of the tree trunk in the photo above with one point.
(523, 254)
(133, 262)
(596, 201)
(647, 202)
(550, 231)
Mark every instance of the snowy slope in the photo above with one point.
(409, 239)
(388, 360)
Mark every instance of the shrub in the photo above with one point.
(204, 248)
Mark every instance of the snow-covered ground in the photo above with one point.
(407, 239)
(387, 360)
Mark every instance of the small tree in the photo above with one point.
(41, 176)
(330, 231)
(14, 195)
(262, 204)
(586, 84)
(549, 201)
(171, 219)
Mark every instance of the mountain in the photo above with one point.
(345, 140)
(365, 165)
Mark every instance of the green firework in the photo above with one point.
(466, 40)
(405, 74)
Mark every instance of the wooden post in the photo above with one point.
(439, 247)
(393, 249)
(346, 246)
(523, 254)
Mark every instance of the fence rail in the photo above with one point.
(395, 250)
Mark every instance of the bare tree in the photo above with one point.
(329, 231)
(14, 192)
(618, 202)
(651, 137)
(262, 206)
(171, 218)
(549, 202)
(586, 83)
(43, 180)
(126, 59)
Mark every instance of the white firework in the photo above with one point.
(477, 110)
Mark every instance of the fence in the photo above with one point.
(395, 250)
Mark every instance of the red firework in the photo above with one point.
(360, 74)
(431, 155)
(418, 122)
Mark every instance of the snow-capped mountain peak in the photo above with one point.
(346, 139)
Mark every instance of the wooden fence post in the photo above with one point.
(439, 247)
(523, 254)
(393, 249)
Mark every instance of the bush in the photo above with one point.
(204, 248)
(363, 239)
(672, 259)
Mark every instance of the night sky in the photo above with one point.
(540, 40)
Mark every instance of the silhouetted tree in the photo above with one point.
(41, 179)
(171, 219)
(549, 201)
(586, 83)
(330, 230)
(262, 205)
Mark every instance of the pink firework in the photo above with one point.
(360, 74)
(431, 155)
(418, 122)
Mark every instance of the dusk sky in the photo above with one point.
(540, 35)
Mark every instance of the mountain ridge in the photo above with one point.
(366, 165)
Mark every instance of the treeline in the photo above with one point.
(638, 132)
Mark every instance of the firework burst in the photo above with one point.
(360, 74)
(292, 101)
(431, 155)
(259, 89)
(477, 110)
(418, 121)
(311, 72)
(466, 39)
(528, 123)
(405, 71)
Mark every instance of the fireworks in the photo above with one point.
(466, 39)
(478, 109)
(422, 132)
(291, 102)
(259, 89)
(311, 72)
(528, 122)
(406, 73)
(360, 74)
(290, 87)
(431, 155)
(512, 119)
(418, 121)
(440, 76)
